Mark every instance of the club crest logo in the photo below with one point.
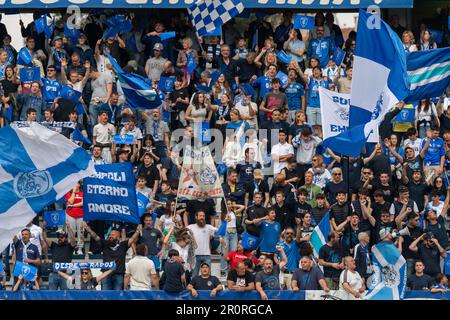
(26, 270)
(30, 74)
(404, 116)
(207, 176)
(390, 276)
(303, 21)
(140, 203)
(54, 216)
(342, 113)
(32, 184)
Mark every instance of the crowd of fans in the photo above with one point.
(277, 187)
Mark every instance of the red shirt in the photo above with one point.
(78, 211)
(236, 256)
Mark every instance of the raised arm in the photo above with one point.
(44, 234)
(92, 233)
(134, 238)
(103, 275)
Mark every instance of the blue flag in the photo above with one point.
(41, 24)
(24, 57)
(79, 136)
(202, 88)
(123, 138)
(206, 132)
(27, 271)
(222, 229)
(217, 32)
(111, 194)
(338, 56)
(304, 22)
(30, 74)
(167, 35)
(247, 89)
(320, 233)
(117, 24)
(283, 77)
(389, 265)
(69, 94)
(428, 73)
(166, 84)
(447, 265)
(142, 202)
(55, 218)
(137, 89)
(406, 115)
(191, 65)
(72, 33)
(49, 29)
(284, 57)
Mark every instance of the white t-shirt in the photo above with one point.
(168, 222)
(36, 236)
(446, 103)
(321, 179)
(155, 67)
(184, 253)
(140, 268)
(104, 132)
(232, 222)
(416, 145)
(353, 279)
(202, 237)
(281, 150)
(244, 111)
(438, 208)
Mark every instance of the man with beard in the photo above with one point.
(239, 279)
(62, 252)
(291, 248)
(330, 258)
(269, 277)
(114, 250)
(202, 235)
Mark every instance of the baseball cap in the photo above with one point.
(158, 46)
(257, 174)
(61, 232)
(58, 37)
(82, 35)
(204, 263)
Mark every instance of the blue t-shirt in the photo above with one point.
(32, 252)
(435, 151)
(393, 160)
(50, 89)
(321, 48)
(265, 85)
(313, 91)
(292, 251)
(270, 233)
(294, 93)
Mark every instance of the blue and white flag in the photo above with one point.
(48, 30)
(24, 57)
(37, 167)
(110, 194)
(217, 32)
(30, 74)
(123, 138)
(117, 24)
(406, 115)
(167, 35)
(389, 276)
(142, 202)
(207, 15)
(191, 65)
(72, 33)
(55, 218)
(379, 72)
(304, 22)
(428, 73)
(334, 109)
(69, 94)
(79, 136)
(338, 56)
(40, 24)
(27, 271)
(166, 84)
(319, 236)
(137, 90)
(62, 266)
(284, 57)
(283, 77)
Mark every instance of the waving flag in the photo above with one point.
(37, 167)
(48, 29)
(69, 94)
(30, 74)
(304, 22)
(137, 90)
(191, 65)
(79, 136)
(55, 218)
(72, 33)
(406, 115)
(217, 32)
(166, 84)
(320, 233)
(167, 35)
(389, 277)
(207, 15)
(27, 271)
(24, 57)
(338, 56)
(428, 73)
(142, 202)
(117, 24)
(284, 57)
(41, 23)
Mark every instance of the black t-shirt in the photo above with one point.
(179, 93)
(431, 259)
(339, 212)
(62, 253)
(261, 186)
(302, 209)
(388, 191)
(333, 256)
(380, 164)
(241, 281)
(255, 212)
(414, 234)
(417, 191)
(90, 285)
(439, 231)
(413, 165)
(390, 226)
(246, 70)
(332, 188)
(424, 282)
(245, 171)
(318, 213)
(151, 173)
(200, 283)
(150, 239)
(445, 124)
(295, 129)
(378, 208)
(173, 270)
(116, 253)
(269, 281)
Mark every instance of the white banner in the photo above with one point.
(334, 110)
(199, 177)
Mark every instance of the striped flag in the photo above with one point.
(320, 234)
(428, 73)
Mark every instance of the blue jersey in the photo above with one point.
(294, 93)
(313, 91)
(265, 85)
(435, 151)
(292, 251)
(322, 49)
(270, 233)
(50, 90)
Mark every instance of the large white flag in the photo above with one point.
(199, 177)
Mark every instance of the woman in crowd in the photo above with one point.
(426, 113)
(408, 41)
(74, 210)
(200, 109)
(426, 41)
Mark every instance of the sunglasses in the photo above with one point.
(366, 172)
(289, 233)
(50, 70)
(85, 272)
(337, 174)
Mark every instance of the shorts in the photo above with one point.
(313, 116)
